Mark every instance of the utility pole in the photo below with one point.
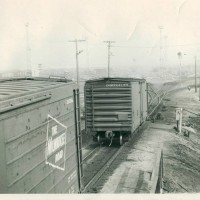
(195, 74)
(199, 89)
(39, 69)
(28, 51)
(160, 27)
(180, 57)
(109, 45)
(77, 64)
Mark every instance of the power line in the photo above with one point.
(109, 54)
(77, 64)
(127, 46)
(144, 47)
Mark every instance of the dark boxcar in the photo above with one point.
(38, 152)
(114, 107)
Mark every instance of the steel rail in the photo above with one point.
(160, 101)
(162, 93)
(102, 170)
(95, 178)
(90, 154)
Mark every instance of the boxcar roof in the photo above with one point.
(15, 87)
(116, 79)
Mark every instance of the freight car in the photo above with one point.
(114, 107)
(38, 136)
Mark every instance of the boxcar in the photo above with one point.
(38, 152)
(114, 107)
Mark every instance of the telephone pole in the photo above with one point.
(180, 57)
(28, 52)
(160, 27)
(195, 74)
(77, 64)
(39, 69)
(199, 90)
(109, 53)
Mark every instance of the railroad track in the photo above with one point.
(108, 158)
(156, 102)
(90, 154)
(96, 162)
(97, 165)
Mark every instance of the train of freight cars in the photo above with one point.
(38, 136)
(114, 107)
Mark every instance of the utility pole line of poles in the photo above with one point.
(195, 74)
(77, 64)
(109, 45)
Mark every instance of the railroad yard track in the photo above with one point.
(92, 151)
(100, 159)
(97, 161)
(156, 101)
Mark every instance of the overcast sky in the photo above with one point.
(132, 24)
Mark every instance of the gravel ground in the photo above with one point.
(181, 153)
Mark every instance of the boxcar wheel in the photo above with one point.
(98, 139)
(120, 139)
